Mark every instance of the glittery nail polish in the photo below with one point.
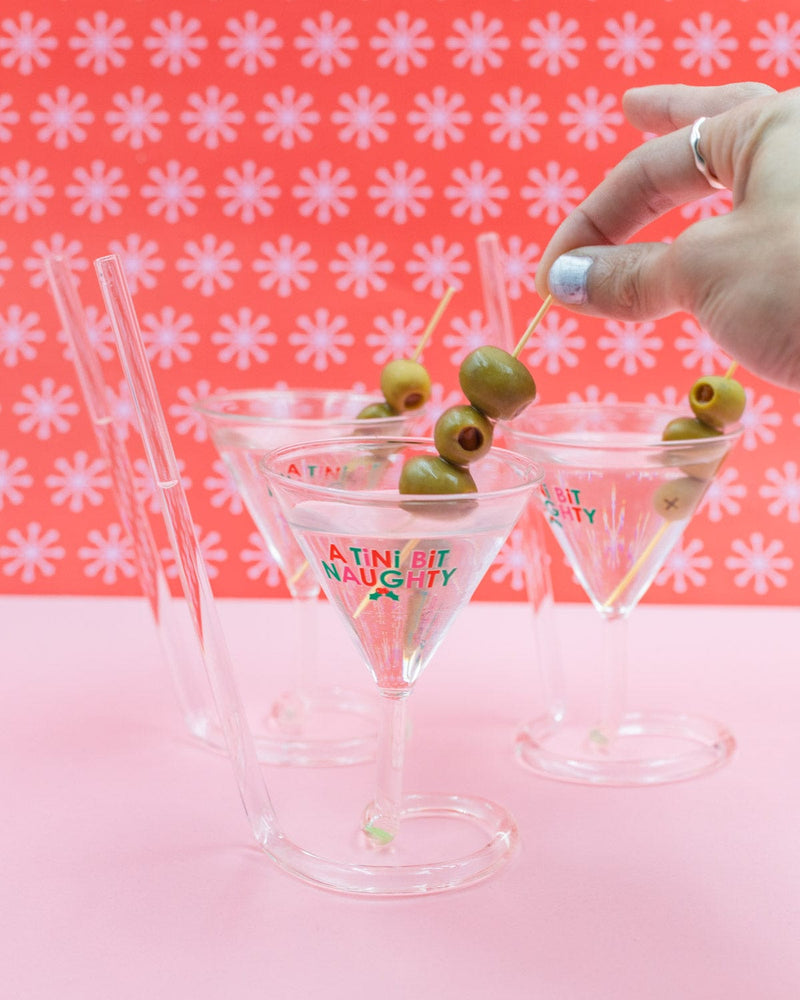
(567, 278)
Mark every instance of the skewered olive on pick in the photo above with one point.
(405, 385)
(496, 383)
(433, 474)
(462, 435)
(717, 400)
(376, 411)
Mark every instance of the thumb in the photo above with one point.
(634, 281)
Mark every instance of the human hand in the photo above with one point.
(739, 273)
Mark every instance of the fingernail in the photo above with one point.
(568, 277)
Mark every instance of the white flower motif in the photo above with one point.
(175, 44)
(630, 344)
(59, 246)
(759, 563)
(476, 192)
(98, 191)
(363, 117)
(287, 117)
(324, 193)
(168, 336)
(361, 267)
(705, 44)
(102, 43)
(139, 261)
(723, 495)
(172, 191)
(400, 192)
(251, 42)
(782, 490)
(779, 45)
(464, 336)
(554, 343)
(669, 396)
(326, 43)
(515, 118)
(244, 338)
(591, 118)
(212, 117)
(519, 266)
(77, 483)
(32, 553)
(552, 194)
(136, 118)
(13, 478)
(701, 351)
(758, 420)
(26, 43)
(685, 566)
(321, 339)
(592, 394)
(393, 337)
(8, 117)
(629, 43)
(284, 266)
(403, 42)
(19, 333)
(109, 556)
(553, 43)
(249, 191)
(188, 420)
(223, 489)
(45, 410)
(511, 564)
(208, 265)
(438, 266)
(23, 191)
(62, 117)
(477, 43)
(260, 562)
(439, 117)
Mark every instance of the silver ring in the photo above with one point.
(699, 162)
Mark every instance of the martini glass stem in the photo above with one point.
(382, 816)
(614, 677)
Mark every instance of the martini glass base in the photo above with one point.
(445, 842)
(648, 748)
(324, 727)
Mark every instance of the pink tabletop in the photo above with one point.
(129, 871)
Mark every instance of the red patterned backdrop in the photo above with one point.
(291, 189)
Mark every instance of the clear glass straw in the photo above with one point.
(185, 665)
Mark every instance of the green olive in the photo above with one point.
(496, 383)
(433, 474)
(405, 384)
(462, 435)
(717, 400)
(376, 411)
(676, 500)
(708, 457)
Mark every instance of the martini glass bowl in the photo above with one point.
(617, 498)
(309, 723)
(398, 569)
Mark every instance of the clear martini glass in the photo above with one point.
(399, 569)
(309, 723)
(616, 498)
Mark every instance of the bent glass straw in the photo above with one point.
(341, 876)
(539, 584)
(185, 666)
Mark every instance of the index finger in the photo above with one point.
(652, 179)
